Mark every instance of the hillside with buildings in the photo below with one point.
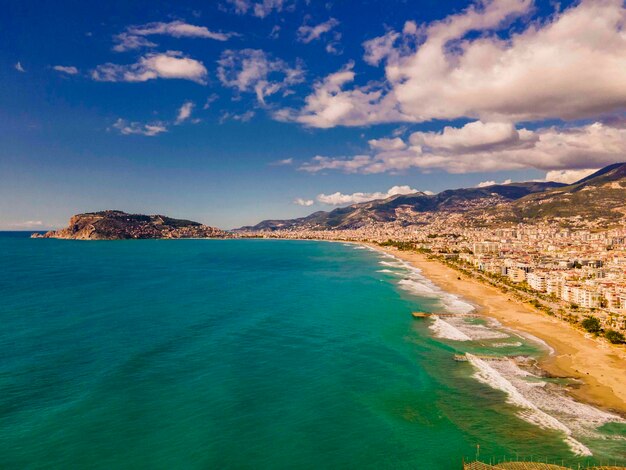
(118, 225)
(560, 247)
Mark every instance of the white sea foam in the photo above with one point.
(418, 288)
(541, 404)
(454, 304)
(478, 331)
(539, 341)
(391, 264)
(423, 287)
(387, 271)
(515, 344)
(459, 329)
(445, 330)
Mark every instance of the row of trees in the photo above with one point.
(592, 325)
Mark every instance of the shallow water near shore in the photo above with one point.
(256, 354)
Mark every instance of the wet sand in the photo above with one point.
(600, 366)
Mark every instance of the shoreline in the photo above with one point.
(599, 367)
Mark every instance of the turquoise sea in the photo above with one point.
(237, 354)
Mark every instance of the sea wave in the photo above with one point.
(515, 344)
(445, 330)
(536, 340)
(423, 287)
(473, 331)
(541, 404)
(418, 284)
(391, 264)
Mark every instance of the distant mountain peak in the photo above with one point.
(614, 171)
(601, 194)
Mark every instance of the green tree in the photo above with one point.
(614, 337)
(592, 325)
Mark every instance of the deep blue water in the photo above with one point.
(231, 354)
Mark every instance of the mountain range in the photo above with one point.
(600, 196)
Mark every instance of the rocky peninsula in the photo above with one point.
(118, 225)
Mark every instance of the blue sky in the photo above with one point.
(232, 111)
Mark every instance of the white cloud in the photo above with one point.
(184, 112)
(136, 128)
(484, 184)
(70, 70)
(283, 162)
(378, 49)
(482, 147)
(128, 42)
(242, 117)
(134, 36)
(210, 100)
(471, 137)
(252, 70)
(339, 199)
(28, 224)
(19, 67)
(170, 64)
(571, 65)
(275, 32)
(303, 202)
(261, 9)
(178, 29)
(329, 105)
(569, 176)
(387, 144)
(308, 33)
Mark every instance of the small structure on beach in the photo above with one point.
(446, 314)
(421, 315)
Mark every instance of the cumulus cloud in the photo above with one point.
(484, 184)
(479, 146)
(261, 9)
(136, 128)
(339, 199)
(19, 67)
(170, 64)
(135, 36)
(329, 105)
(473, 136)
(569, 176)
(303, 202)
(387, 144)
(70, 70)
(565, 67)
(184, 112)
(253, 70)
(309, 33)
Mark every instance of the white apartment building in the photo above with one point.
(483, 248)
(537, 281)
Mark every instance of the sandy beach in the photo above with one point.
(601, 367)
